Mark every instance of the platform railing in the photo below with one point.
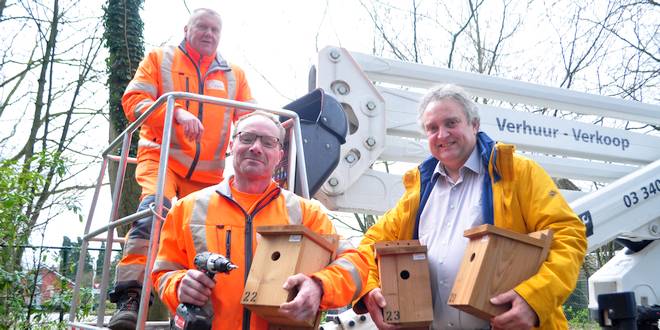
(124, 139)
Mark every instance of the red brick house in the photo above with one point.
(48, 284)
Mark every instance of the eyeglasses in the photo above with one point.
(269, 142)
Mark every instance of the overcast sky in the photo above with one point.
(273, 39)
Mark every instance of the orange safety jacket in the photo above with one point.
(182, 69)
(210, 220)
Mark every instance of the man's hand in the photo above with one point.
(520, 316)
(195, 288)
(192, 127)
(306, 303)
(375, 303)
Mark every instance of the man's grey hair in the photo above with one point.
(452, 92)
(267, 115)
(203, 11)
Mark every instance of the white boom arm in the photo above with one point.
(380, 98)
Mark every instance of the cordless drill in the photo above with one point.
(189, 316)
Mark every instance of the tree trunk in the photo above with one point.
(123, 36)
(28, 149)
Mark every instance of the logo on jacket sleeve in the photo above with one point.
(215, 84)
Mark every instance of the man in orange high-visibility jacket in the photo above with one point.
(222, 219)
(200, 135)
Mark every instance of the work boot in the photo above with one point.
(126, 316)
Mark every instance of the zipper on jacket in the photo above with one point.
(248, 264)
(248, 244)
(200, 87)
(187, 90)
(261, 204)
(248, 252)
(200, 112)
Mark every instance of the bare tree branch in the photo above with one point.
(20, 77)
(28, 149)
(383, 34)
(636, 46)
(414, 22)
(455, 36)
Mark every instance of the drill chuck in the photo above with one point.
(213, 263)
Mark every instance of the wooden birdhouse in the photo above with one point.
(405, 283)
(496, 260)
(283, 251)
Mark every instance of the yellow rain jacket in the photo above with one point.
(517, 195)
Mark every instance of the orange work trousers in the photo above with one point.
(131, 268)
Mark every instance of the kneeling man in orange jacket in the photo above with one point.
(222, 218)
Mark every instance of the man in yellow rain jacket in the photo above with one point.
(222, 219)
(200, 135)
(468, 181)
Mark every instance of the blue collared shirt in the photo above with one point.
(452, 207)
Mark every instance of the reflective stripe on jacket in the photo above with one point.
(181, 69)
(210, 220)
(521, 197)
